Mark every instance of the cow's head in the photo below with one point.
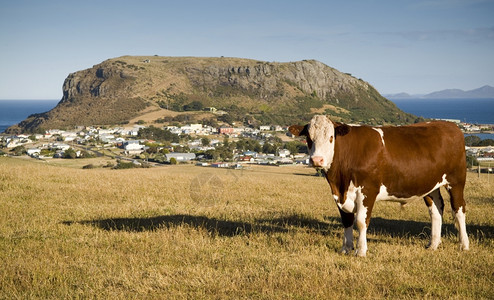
(321, 137)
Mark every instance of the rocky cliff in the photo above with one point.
(119, 89)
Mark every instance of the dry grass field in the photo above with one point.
(187, 232)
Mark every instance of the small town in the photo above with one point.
(222, 147)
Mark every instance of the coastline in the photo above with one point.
(23, 108)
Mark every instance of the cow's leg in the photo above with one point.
(458, 209)
(364, 208)
(435, 203)
(347, 220)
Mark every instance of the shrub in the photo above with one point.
(124, 165)
(158, 134)
(19, 150)
(70, 153)
(109, 165)
(195, 105)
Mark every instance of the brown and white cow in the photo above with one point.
(364, 164)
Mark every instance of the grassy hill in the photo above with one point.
(200, 233)
(254, 92)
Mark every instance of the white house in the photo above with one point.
(134, 131)
(174, 129)
(133, 147)
(107, 137)
(33, 151)
(106, 131)
(283, 153)
(191, 128)
(180, 156)
(55, 131)
(13, 142)
(59, 146)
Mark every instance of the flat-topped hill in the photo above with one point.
(121, 89)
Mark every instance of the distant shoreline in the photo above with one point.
(465, 107)
(466, 110)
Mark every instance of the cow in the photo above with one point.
(365, 164)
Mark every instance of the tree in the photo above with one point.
(212, 154)
(296, 147)
(209, 122)
(227, 118)
(472, 140)
(292, 147)
(195, 105)
(226, 142)
(269, 148)
(152, 148)
(85, 154)
(241, 144)
(205, 141)
(19, 150)
(173, 161)
(70, 153)
(472, 161)
(254, 145)
(154, 133)
(486, 142)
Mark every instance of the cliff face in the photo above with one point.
(264, 79)
(117, 90)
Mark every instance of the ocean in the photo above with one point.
(479, 111)
(14, 111)
(476, 111)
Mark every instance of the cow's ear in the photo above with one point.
(298, 130)
(341, 129)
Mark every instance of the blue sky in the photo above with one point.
(417, 46)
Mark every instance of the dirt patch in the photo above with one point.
(153, 113)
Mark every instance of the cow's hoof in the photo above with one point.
(346, 250)
(433, 246)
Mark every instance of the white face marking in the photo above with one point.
(381, 132)
(335, 198)
(321, 132)
(385, 196)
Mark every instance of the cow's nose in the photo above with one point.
(317, 161)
